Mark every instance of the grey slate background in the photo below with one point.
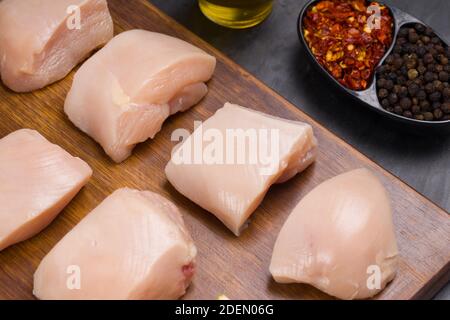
(272, 52)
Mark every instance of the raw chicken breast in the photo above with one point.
(40, 42)
(134, 245)
(37, 180)
(339, 238)
(122, 95)
(233, 185)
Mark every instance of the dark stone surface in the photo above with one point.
(272, 52)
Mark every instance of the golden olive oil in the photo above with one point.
(237, 14)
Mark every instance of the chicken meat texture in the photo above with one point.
(134, 245)
(339, 238)
(37, 180)
(41, 41)
(232, 190)
(123, 94)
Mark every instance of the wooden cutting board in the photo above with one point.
(237, 267)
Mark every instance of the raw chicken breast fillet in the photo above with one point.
(232, 190)
(37, 180)
(340, 238)
(40, 41)
(122, 95)
(134, 245)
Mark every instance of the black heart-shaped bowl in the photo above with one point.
(368, 97)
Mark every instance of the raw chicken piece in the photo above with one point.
(122, 95)
(134, 245)
(233, 185)
(40, 42)
(338, 238)
(37, 180)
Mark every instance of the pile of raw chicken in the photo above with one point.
(134, 245)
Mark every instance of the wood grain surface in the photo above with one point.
(236, 267)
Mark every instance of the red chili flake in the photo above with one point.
(338, 34)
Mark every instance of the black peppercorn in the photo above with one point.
(410, 63)
(420, 28)
(443, 76)
(390, 59)
(401, 40)
(413, 37)
(405, 103)
(412, 74)
(419, 117)
(407, 114)
(431, 67)
(438, 85)
(421, 95)
(403, 92)
(383, 93)
(381, 83)
(403, 70)
(397, 49)
(436, 105)
(413, 88)
(435, 40)
(445, 107)
(428, 76)
(393, 98)
(401, 80)
(393, 77)
(439, 48)
(398, 63)
(435, 96)
(383, 69)
(433, 52)
(421, 51)
(422, 69)
(428, 116)
(389, 84)
(403, 32)
(446, 93)
(438, 114)
(428, 58)
(397, 88)
(429, 88)
(425, 105)
(419, 81)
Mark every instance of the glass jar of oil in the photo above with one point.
(236, 14)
